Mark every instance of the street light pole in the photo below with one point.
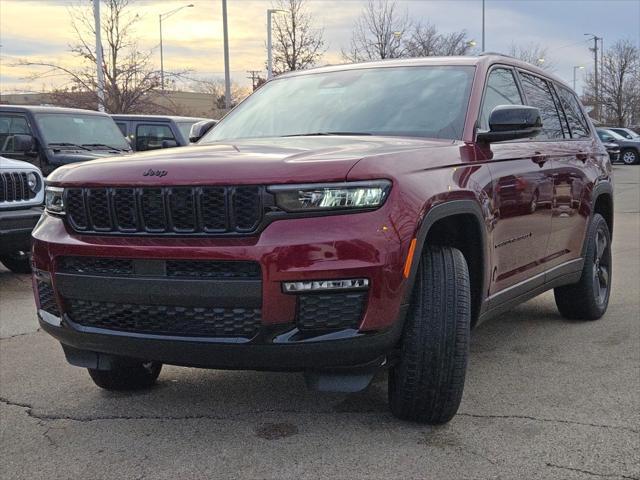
(160, 18)
(596, 107)
(483, 25)
(99, 71)
(227, 73)
(270, 12)
(577, 67)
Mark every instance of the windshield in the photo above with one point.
(404, 101)
(94, 131)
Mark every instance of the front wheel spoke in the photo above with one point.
(601, 244)
(604, 276)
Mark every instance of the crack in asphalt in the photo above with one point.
(548, 420)
(20, 334)
(45, 416)
(595, 474)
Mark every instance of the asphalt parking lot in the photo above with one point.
(545, 398)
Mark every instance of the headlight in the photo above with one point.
(331, 196)
(32, 182)
(54, 200)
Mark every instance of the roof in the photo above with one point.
(482, 60)
(156, 118)
(41, 109)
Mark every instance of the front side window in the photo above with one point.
(185, 129)
(87, 131)
(501, 90)
(577, 123)
(422, 101)
(11, 125)
(150, 137)
(539, 95)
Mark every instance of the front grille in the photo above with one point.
(14, 187)
(165, 210)
(205, 269)
(47, 298)
(166, 320)
(330, 311)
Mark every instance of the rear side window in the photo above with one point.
(501, 90)
(539, 95)
(150, 137)
(577, 123)
(11, 125)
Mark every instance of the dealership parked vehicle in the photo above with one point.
(613, 149)
(625, 132)
(338, 221)
(150, 132)
(21, 199)
(49, 137)
(629, 149)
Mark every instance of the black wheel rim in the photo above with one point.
(601, 268)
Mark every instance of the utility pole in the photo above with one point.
(596, 107)
(227, 73)
(99, 72)
(270, 12)
(254, 75)
(483, 26)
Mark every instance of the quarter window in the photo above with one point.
(577, 123)
(539, 95)
(150, 137)
(501, 90)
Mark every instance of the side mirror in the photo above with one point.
(200, 129)
(511, 122)
(169, 143)
(23, 143)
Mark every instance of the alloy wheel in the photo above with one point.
(601, 260)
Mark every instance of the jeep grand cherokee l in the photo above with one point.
(338, 221)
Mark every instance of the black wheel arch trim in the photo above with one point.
(439, 212)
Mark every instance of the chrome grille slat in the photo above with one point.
(175, 210)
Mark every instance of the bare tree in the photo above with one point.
(297, 44)
(425, 41)
(533, 53)
(215, 87)
(619, 85)
(378, 32)
(130, 78)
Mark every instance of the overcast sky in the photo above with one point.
(40, 29)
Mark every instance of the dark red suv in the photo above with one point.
(339, 220)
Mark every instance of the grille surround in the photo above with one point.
(164, 211)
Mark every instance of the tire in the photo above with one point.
(426, 383)
(629, 156)
(589, 297)
(127, 376)
(17, 263)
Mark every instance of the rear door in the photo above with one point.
(522, 191)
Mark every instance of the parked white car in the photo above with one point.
(21, 199)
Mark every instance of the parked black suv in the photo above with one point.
(149, 132)
(49, 137)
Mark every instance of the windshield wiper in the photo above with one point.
(316, 134)
(66, 144)
(109, 147)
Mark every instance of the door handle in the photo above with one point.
(539, 159)
(582, 156)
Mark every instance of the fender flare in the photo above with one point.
(439, 212)
(602, 188)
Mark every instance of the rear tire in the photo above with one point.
(127, 376)
(589, 297)
(426, 384)
(18, 262)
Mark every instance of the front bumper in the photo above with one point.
(321, 248)
(16, 227)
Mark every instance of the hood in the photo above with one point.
(253, 161)
(64, 157)
(11, 164)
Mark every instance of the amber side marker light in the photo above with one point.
(407, 263)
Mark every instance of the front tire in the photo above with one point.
(427, 382)
(589, 297)
(127, 376)
(629, 157)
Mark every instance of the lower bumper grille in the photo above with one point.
(47, 298)
(330, 311)
(166, 320)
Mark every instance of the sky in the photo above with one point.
(192, 38)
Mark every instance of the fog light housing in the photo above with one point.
(325, 285)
